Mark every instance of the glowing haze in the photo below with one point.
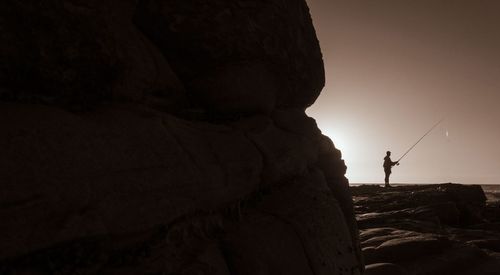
(396, 67)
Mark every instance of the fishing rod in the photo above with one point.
(435, 125)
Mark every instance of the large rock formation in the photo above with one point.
(167, 137)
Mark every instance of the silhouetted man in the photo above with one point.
(388, 163)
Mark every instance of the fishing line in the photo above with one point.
(435, 125)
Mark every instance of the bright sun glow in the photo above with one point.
(360, 156)
(345, 144)
(341, 141)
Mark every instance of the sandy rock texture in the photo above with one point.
(167, 137)
(427, 229)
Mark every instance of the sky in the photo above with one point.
(396, 67)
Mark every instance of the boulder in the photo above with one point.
(387, 218)
(454, 260)
(268, 48)
(385, 269)
(469, 200)
(78, 54)
(490, 244)
(251, 248)
(317, 218)
(69, 176)
(427, 229)
(402, 248)
(167, 137)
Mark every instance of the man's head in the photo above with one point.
(388, 153)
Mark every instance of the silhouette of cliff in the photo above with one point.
(167, 137)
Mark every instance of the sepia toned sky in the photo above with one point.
(396, 67)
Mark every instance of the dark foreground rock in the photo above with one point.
(427, 229)
(167, 137)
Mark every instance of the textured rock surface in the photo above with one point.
(384, 269)
(270, 43)
(428, 229)
(78, 54)
(167, 137)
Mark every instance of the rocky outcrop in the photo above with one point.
(427, 229)
(167, 137)
(79, 54)
(244, 56)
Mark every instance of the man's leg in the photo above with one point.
(387, 174)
